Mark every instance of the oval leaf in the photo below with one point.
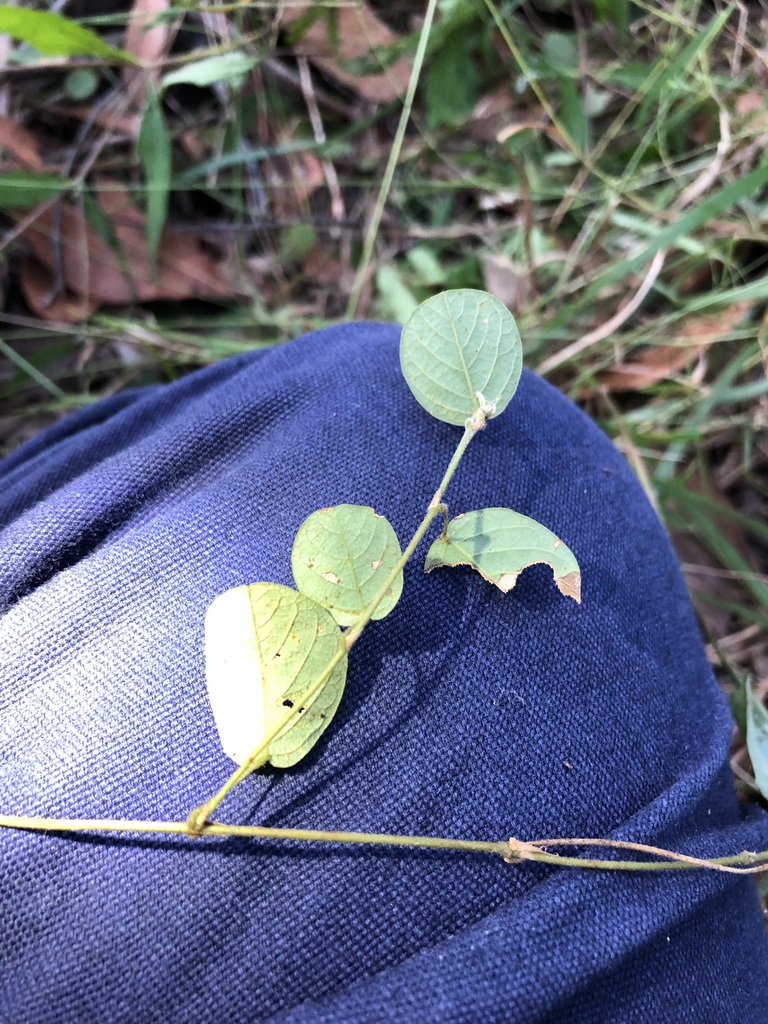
(456, 346)
(757, 740)
(342, 556)
(224, 67)
(265, 645)
(500, 543)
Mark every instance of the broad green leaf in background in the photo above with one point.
(452, 83)
(81, 83)
(615, 11)
(573, 113)
(56, 36)
(456, 345)
(265, 645)
(225, 67)
(500, 543)
(342, 556)
(396, 299)
(562, 54)
(296, 242)
(154, 151)
(21, 190)
(426, 266)
(757, 740)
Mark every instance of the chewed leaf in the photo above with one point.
(458, 346)
(265, 645)
(500, 543)
(757, 740)
(342, 556)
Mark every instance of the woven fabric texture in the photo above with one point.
(467, 713)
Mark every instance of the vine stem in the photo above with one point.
(513, 851)
(200, 815)
(435, 507)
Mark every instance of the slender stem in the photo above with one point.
(435, 508)
(354, 631)
(471, 428)
(513, 851)
(394, 156)
(537, 850)
(253, 832)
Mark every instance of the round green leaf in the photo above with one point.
(81, 83)
(457, 346)
(500, 543)
(342, 556)
(265, 645)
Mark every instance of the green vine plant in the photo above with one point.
(277, 657)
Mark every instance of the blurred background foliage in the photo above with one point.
(181, 182)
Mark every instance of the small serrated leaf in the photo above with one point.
(265, 645)
(500, 543)
(457, 346)
(757, 740)
(341, 557)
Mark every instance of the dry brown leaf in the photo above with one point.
(503, 278)
(648, 368)
(732, 530)
(320, 268)
(37, 287)
(290, 181)
(663, 361)
(20, 144)
(534, 125)
(358, 31)
(106, 117)
(749, 103)
(115, 200)
(492, 114)
(95, 275)
(704, 574)
(149, 45)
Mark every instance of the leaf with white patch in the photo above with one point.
(265, 646)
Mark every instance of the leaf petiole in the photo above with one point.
(200, 815)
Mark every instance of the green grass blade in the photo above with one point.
(154, 152)
(56, 36)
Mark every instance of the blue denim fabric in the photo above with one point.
(467, 713)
